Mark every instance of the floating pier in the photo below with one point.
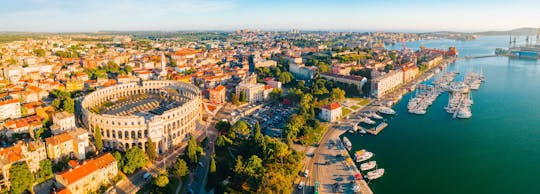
(378, 129)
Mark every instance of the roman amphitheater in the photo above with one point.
(129, 114)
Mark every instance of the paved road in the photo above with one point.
(197, 180)
(322, 154)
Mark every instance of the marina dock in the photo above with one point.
(378, 129)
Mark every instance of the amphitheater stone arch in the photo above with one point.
(170, 118)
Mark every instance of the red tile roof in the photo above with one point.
(13, 153)
(220, 88)
(87, 168)
(332, 106)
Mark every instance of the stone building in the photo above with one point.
(175, 109)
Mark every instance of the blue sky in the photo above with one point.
(349, 15)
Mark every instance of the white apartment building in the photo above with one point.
(9, 108)
(62, 121)
(383, 84)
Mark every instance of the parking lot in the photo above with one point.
(271, 118)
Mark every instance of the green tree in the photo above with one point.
(337, 94)
(242, 128)
(68, 105)
(21, 178)
(134, 160)
(24, 111)
(180, 168)
(258, 137)
(223, 126)
(275, 94)
(119, 159)
(254, 166)
(39, 52)
(151, 149)
(45, 170)
(239, 166)
(275, 182)
(128, 68)
(285, 77)
(235, 99)
(161, 180)
(191, 154)
(323, 67)
(243, 97)
(98, 138)
(56, 103)
(212, 174)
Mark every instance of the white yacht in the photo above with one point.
(347, 143)
(419, 112)
(363, 155)
(386, 110)
(464, 113)
(375, 174)
(374, 115)
(368, 165)
(368, 121)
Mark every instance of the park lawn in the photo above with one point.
(360, 101)
(345, 111)
(363, 102)
(354, 107)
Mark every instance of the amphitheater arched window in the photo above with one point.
(126, 134)
(113, 134)
(132, 134)
(108, 133)
(139, 134)
(119, 135)
(145, 134)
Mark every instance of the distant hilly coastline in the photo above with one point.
(514, 32)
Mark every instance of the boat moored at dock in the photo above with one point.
(386, 110)
(362, 155)
(371, 175)
(368, 165)
(347, 143)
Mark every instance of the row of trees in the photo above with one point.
(111, 68)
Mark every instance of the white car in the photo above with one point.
(301, 185)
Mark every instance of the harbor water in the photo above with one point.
(497, 150)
